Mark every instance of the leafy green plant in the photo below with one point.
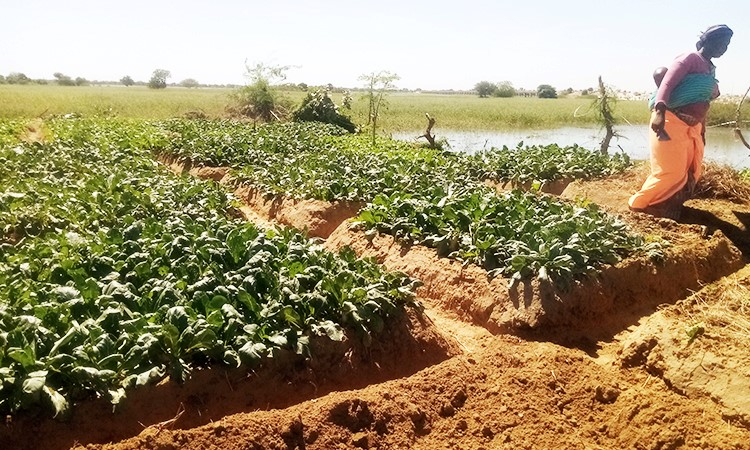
(141, 275)
(518, 235)
(547, 163)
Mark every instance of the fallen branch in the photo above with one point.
(168, 424)
(737, 130)
(723, 124)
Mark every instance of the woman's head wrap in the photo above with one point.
(714, 32)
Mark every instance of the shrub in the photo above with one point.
(505, 89)
(485, 89)
(319, 107)
(259, 100)
(546, 91)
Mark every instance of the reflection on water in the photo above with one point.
(721, 144)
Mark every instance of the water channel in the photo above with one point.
(721, 144)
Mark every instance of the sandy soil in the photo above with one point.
(650, 356)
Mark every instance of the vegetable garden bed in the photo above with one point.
(101, 245)
(591, 302)
(120, 274)
(317, 218)
(466, 223)
(407, 344)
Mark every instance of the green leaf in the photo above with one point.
(149, 376)
(231, 358)
(116, 396)
(292, 317)
(330, 329)
(24, 356)
(66, 339)
(278, 339)
(215, 319)
(32, 387)
(204, 339)
(59, 403)
(66, 293)
(252, 353)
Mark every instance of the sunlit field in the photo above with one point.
(405, 111)
(132, 101)
(469, 112)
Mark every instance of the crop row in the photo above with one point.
(431, 197)
(114, 273)
(516, 234)
(318, 161)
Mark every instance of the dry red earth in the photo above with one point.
(647, 355)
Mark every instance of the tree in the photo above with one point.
(258, 100)
(127, 81)
(376, 85)
(80, 81)
(505, 89)
(604, 109)
(159, 79)
(485, 89)
(189, 83)
(546, 91)
(63, 80)
(2, 79)
(17, 78)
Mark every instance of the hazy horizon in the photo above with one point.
(433, 45)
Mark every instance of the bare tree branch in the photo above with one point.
(737, 130)
(427, 135)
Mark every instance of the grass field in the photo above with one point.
(133, 101)
(405, 110)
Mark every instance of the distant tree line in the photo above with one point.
(505, 89)
(64, 80)
(158, 80)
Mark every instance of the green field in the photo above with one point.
(135, 101)
(469, 112)
(405, 110)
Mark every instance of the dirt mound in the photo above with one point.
(506, 393)
(700, 347)
(719, 208)
(406, 346)
(318, 218)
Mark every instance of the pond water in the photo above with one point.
(721, 144)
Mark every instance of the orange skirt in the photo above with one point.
(670, 162)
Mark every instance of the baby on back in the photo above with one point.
(659, 75)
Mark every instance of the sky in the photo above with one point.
(430, 45)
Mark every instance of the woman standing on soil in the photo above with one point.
(678, 127)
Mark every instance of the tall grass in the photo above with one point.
(134, 101)
(405, 112)
(469, 112)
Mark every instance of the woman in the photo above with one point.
(678, 127)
